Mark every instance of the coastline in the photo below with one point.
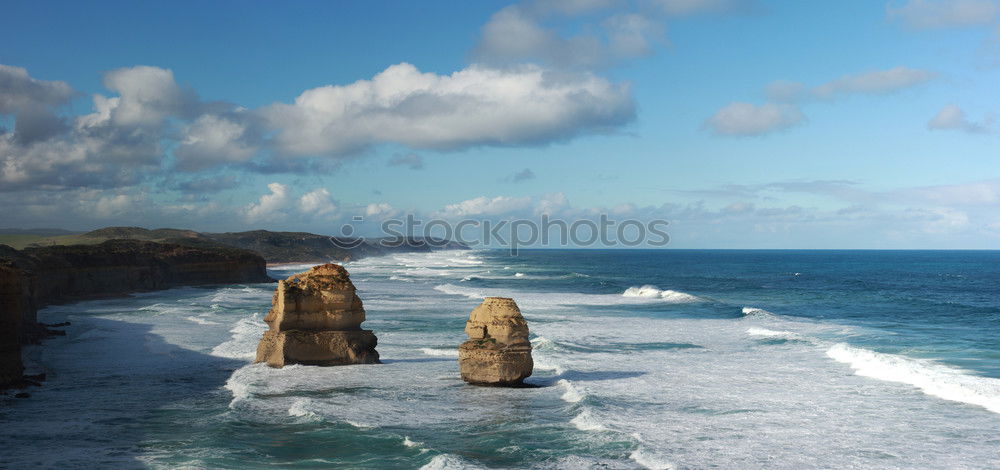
(34, 278)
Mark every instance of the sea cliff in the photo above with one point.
(35, 277)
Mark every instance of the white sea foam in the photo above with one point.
(408, 443)
(652, 292)
(572, 395)
(540, 342)
(560, 300)
(448, 462)
(542, 364)
(240, 383)
(243, 343)
(650, 460)
(299, 410)
(200, 321)
(756, 312)
(766, 333)
(585, 421)
(360, 425)
(518, 274)
(440, 352)
(930, 377)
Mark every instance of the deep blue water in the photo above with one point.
(643, 359)
(936, 304)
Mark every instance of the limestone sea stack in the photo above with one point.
(498, 352)
(315, 319)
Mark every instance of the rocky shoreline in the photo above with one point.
(39, 276)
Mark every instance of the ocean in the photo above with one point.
(643, 359)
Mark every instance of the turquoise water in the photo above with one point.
(644, 359)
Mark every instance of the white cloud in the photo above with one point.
(147, 95)
(529, 33)
(951, 117)
(693, 7)
(747, 119)
(526, 105)
(213, 139)
(271, 206)
(19, 92)
(483, 205)
(317, 202)
(939, 14)
(876, 82)
(551, 204)
(380, 209)
(110, 147)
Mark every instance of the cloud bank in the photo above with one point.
(153, 125)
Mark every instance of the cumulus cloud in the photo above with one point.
(271, 206)
(19, 92)
(380, 210)
(551, 32)
(214, 139)
(483, 206)
(951, 117)
(940, 14)
(33, 103)
(527, 105)
(551, 204)
(747, 119)
(107, 148)
(131, 133)
(611, 32)
(317, 202)
(146, 96)
(514, 36)
(410, 160)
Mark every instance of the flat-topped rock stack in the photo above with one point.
(315, 319)
(498, 352)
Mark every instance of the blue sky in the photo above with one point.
(746, 124)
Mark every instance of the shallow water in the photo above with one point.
(659, 359)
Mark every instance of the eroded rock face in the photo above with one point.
(315, 319)
(498, 351)
(11, 306)
(38, 276)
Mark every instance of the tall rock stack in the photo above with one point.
(498, 352)
(315, 319)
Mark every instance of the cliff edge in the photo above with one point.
(35, 277)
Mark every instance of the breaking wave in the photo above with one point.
(653, 292)
(930, 377)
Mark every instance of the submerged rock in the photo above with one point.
(498, 352)
(315, 319)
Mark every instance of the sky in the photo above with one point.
(743, 123)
